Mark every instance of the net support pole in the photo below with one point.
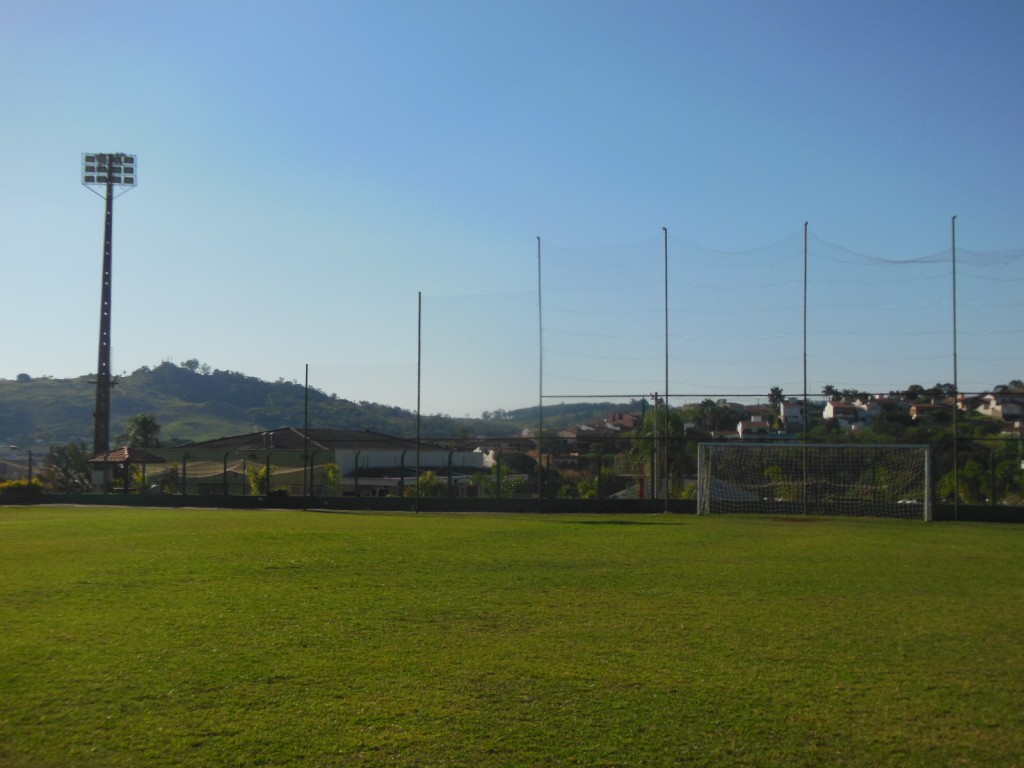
(540, 385)
(701, 474)
(928, 514)
(656, 449)
(419, 381)
(805, 416)
(306, 463)
(956, 393)
(665, 474)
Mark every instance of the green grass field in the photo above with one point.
(240, 638)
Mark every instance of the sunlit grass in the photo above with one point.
(199, 637)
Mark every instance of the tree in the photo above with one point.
(776, 399)
(709, 416)
(429, 485)
(973, 486)
(782, 488)
(257, 477)
(568, 491)
(914, 392)
(597, 485)
(940, 391)
(829, 391)
(485, 484)
(706, 415)
(550, 482)
(169, 481)
(642, 450)
(141, 432)
(332, 477)
(66, 469)
(518, 464)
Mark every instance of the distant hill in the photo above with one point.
(190, 405)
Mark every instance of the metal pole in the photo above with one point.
(928, 499)
(419, 368)
(655, 458)
(956, 394)
(701, 493)
(665, 451)
(805, 415)
(540, 384)
(805, 419)
(450, 471)
(305, 443)
(355, 473)
(101, 415)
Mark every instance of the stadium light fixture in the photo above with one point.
(116, 169)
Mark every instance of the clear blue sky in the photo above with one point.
(308, 168)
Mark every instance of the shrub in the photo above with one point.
(21, 487)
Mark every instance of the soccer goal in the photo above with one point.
(855, 480)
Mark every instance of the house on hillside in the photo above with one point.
(623, 420)
(847, 415)
(493, 447)
(570, 443)
(791, 411)
(755, 427)
(1017, 431)
(997, 406)
(880, 404)
(870, 408)
(919, 411)
(762, 412)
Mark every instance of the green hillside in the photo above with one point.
(192, 404)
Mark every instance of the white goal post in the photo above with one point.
(832, 479)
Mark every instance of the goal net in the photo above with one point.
(855, 480)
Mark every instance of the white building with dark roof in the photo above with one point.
(368, 463)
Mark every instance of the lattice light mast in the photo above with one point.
(116, 173)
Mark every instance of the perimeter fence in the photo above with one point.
(671, 317)
(666, 321)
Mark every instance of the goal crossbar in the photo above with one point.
(831, 479)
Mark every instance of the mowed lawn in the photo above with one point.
(139, 637)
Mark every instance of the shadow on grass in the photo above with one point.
(652, 521)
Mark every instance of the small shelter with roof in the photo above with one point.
(118, 463)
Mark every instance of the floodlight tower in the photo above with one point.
(113, 171)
